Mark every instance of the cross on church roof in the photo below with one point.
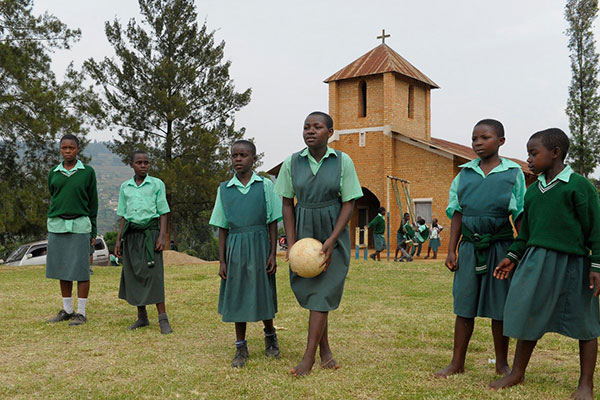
(383, 36)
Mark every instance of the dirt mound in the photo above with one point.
(171, 257)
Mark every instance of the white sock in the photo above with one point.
(81, 306)
(68, 304)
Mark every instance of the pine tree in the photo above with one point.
(169, 92)
(583, 104)
(35, 111)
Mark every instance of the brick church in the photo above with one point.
(381, 108)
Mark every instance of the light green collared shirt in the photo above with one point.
(349, 185)
(563, 175)
(273, 202)
(517, 196)
(140, 204)
(77, 225)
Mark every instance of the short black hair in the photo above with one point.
(381, 210)
(138, 151)
(405, 214)
(421, 221)
(326, 117)
(496, 126)
(69, 136)
(247, 143)
(552, 138)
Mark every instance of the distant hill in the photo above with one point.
(110, 173)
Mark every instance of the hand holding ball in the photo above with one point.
(306, 259)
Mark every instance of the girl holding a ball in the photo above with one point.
(325, 184)
(246, 212)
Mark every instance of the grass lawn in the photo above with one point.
(391, 332)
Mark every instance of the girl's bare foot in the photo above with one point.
(506, 382)
(450, 370)
(303, 368)
(330, 364)
(585, 391)
(502, 369)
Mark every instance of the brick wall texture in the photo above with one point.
(392, 152)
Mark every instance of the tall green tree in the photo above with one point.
(583, 105)
(35, 110)
(169, 91)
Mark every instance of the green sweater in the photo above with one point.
(378, 225)
(564, 217)
(74, 196)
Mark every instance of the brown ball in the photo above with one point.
(306, 259)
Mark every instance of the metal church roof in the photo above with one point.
(377, 61)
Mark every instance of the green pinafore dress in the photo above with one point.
(549, 293)
(248, 294)
(317, 211)
(485, 204)
(142, 282)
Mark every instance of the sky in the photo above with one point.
(506, 60)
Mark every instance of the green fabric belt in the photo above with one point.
(482, 243)
(147, 229)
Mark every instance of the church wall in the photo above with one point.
(346, 109)
(368, 164)
(429, 174)
(418, 126)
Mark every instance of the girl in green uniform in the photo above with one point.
(552, 289)
(246, 212)
(71, 228)
(378, 227)
(143, 209)
(325, 184)
(483, 196)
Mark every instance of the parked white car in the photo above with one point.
(35, 254)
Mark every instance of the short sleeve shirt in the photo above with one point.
(140, 204)
(517, 197)
(349, 184)
(273, 202)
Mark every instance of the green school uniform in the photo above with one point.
(142, 276)
(320, 189)
(486, 202)
(378, 226)
(248, 294)
(558, 245)
(71, 221)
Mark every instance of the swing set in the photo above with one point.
(400, 187)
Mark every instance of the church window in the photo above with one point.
(362, 139)
(423, 209)
(411, 101)
(362, 99)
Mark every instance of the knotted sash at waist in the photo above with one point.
(482, 242)
(318, 205)
(251, 228)
(146, 229)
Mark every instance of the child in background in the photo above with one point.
(71, 228)
(143, 209)
(434, 238)
(377, 225)
(483, 197)
(557, 281)
(421, 234)
(326, 185)
(401, 240)
(246, 212)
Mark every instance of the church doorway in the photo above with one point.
(365, 209)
